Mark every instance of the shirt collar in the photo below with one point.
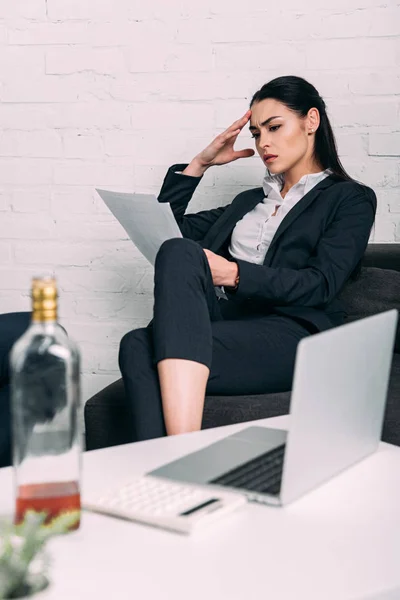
(307, 182)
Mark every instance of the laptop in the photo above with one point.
(337, 405)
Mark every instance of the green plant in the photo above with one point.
(23, 562)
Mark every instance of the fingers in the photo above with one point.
(240, 123)
(244, 153)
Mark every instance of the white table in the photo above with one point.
(340, 542)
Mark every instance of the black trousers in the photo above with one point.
(12, 326)
(247, 352)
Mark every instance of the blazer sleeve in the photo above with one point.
(337, 254)
(178, 190)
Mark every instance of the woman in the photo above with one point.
(281, 253)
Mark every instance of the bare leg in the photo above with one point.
(185, 304)
(183, 386)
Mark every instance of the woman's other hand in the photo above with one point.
(224, 272)
(220, 151)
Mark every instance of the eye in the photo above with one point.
(274, 127)
(255, 135)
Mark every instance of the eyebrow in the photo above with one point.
(252, 127)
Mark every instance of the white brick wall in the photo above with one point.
(111, 93)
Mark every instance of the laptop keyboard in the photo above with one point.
(261, 474)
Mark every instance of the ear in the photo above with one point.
(312, 121)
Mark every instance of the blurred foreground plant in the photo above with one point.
(23, 562)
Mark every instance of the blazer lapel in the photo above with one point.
(231, 216)
(297, 210)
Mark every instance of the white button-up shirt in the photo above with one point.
(253, 234)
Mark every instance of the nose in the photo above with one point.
(264, 141)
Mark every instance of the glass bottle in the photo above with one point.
(45, 398)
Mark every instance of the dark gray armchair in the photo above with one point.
(375, 290)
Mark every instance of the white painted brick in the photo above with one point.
(385, 229)
(385, 20)
(167, 11)
(176, 86)
(384, 144)
(91, 383)
(19, 117)
(43, 34)
(24, 9)
(75, 172)
(135, 34)
(64, 10)
(271, 26)
(45, 253)
(172, 116)
(170, 150)
(3, 35)
(98, 358)
(16, 226)
(235, 8)
(5, 253)
(89, 115)
(171, 57)
(389, 200)
(394, 205)
(14, 302)
(188, 30)
(30, 200)
(236, 57)
(44, 144)
(81, 145)
(149, 178)
(332, 85)
(131, 88)
(106, 306)
(71, 200)
(13, 280)
(366, 112)
(104, 255)
(16, 62)
(100, 333)
(87, 280)
(375, 83)
(374, 172)
(345, 54)
(351, 144)
(90, 34)
(27, 171)
(40, 89)
(122, 143)
(4, 201)
(65, 61)
(375, 21)
(99, 228)
(140, 147)
(142, 62)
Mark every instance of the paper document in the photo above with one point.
(148, 222)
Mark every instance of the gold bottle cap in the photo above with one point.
(44, 299)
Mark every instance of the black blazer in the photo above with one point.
(315, 250)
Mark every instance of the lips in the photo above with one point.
(269, 157)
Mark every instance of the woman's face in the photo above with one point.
(283, 139)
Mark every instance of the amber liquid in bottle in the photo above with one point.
(53, 498)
